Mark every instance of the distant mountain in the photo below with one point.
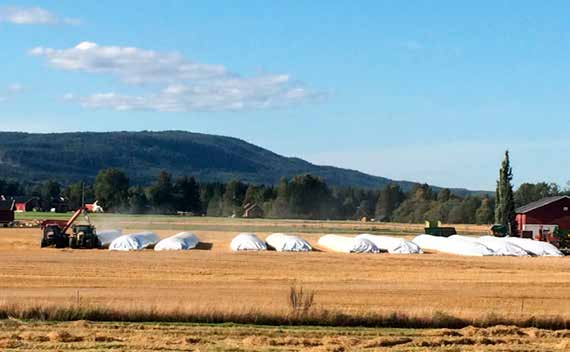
(67, 157)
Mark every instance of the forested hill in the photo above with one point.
(66, 157)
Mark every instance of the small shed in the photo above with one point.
(252, 210)
(543, 214)
(7, 208)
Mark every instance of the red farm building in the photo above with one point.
(543, 215)
(24, 204)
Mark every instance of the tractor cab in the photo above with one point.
(53, 236)
(83, 236)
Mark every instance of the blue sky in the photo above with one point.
(416, 90)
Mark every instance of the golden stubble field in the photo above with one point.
(216, 278)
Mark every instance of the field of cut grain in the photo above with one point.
(213, 278)
(82, 335)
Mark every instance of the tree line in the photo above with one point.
(300, 197)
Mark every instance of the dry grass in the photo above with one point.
(301, 316)
(85, 335)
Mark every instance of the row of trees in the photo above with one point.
(302, 197)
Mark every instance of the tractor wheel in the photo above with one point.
(43, 243)
(61, 243)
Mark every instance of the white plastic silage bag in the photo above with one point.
(247, 242)
(178, 242)
(134, 241)
(107, 236)
(343, 244)
(450, 245)
(537, 248)
(393, 245)
(288, 243)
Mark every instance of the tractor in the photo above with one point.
(439, 230)
(81, 236)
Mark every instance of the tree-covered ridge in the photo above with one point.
(71, 157)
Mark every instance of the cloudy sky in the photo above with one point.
(414, 90)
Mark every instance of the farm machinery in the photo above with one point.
(439, 229)
(55, 233)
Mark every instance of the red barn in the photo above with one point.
(547, 211)
(26, 203)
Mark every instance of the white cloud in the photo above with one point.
(32, 15)
(15, 88)
(186, 85)
(10, 91)
(131, 65)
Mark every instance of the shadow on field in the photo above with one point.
(204, 246)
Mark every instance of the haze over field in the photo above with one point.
(405, 90)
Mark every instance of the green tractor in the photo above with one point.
(84, 236)
(499, 230)
(439, 229)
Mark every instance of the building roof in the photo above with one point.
(24, 199)
(7, 204)
(538, 204)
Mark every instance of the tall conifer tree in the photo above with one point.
(505, 203)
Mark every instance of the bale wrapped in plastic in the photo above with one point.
(247, 242)
(393, 245)
(134, 242)
(498, 245)
(179, 242)
(343, 244)
(288, 243)
(450, 245)
(107, 236)
(537, 248)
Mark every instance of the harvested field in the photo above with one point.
(213, 284)
(85, 335)
(216, 278)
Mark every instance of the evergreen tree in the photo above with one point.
(528, 192)
(232, 199)
(364, 210)
(484, 214)
(138, 202)
(215, 203)
(281, 203)
(161, 193)
(505, 203)
(388, 201)
(187, 195)
(111, 188)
